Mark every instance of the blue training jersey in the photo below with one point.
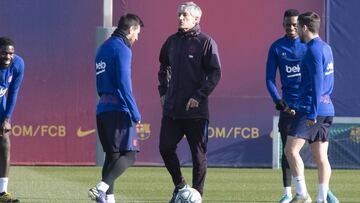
(10, 81)
(317, 80)
(285, 54)
(113, 78)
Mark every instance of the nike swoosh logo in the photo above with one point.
(81, 133)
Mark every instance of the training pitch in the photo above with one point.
(42, 184)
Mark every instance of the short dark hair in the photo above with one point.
(291, 13)
(128, 20)
(6, 41)
(311, 20)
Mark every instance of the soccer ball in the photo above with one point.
(188, 195)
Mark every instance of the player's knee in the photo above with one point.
(289, 152)
(322, 161)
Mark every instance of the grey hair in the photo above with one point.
(192, 8)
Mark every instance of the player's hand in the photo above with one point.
(310, 122)
(5, 126)
(192, 103)
(281, 105)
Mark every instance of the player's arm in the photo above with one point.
(212, 68)
(164, 72)
(123, 70)
(316, 75)
(271, 68)
(14, 88)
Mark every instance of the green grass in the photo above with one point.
(153, 184)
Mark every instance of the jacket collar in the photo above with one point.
(190, 33)
(121, 34)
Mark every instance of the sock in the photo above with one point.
(322, 192)
(102, 186)
(110, 198)
(4, 184)
(300, 185)
(287, 191)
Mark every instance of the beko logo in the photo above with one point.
(293, 71)
(100, 67)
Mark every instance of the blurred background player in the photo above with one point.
(11, 75)
(315, 110)
(189, 72)
(116, 110)
(285, 54)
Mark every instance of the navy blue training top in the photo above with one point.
(113, 78)
(10, 82)
(285, 54)
(317, 80)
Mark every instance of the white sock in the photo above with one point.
(287, 191)
(300, 185)
(110, 198)
(4, 184)
(102, 186)
(322, 192)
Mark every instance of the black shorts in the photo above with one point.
(318, 132)
(116, 132)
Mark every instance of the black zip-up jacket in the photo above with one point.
(189, 68)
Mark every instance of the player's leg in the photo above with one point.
(319, 149)
(113, 127)
(4, 167)
(110, 197)
(4, 158)
(170, 135)
(292, 152)
(319, 152)
(118, 164)
(286, 172)
(196, 131)
(284, 124)
(299, 133)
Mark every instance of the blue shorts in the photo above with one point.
(285, 122)
(318, 132)
(116, 132)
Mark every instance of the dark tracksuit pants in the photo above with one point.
(171, 133)
(285, 121)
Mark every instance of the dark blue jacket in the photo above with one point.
(113, 77)
(189, 68)
(10, 82)
(317, 80)
(285, 55)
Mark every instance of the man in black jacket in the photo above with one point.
(189, 72)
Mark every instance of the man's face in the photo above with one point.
(301, 32)
(186, 20)
(6, 55)
(134, 34)
(290, 26)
